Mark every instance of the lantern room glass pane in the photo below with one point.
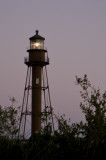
(37, 44)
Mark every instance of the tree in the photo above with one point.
(9, 120)
(94, 108)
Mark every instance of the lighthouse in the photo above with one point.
(36, 86)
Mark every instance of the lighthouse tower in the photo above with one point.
(36, 97)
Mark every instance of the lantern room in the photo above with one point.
(37, 52)
(37, 42)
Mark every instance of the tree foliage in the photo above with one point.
(83, 140)
(94, 108)
(9, 120)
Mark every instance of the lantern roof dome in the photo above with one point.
(36, 36)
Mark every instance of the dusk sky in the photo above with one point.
(75, 37)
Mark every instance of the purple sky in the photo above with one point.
(75, 33)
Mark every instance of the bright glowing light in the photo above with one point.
(36, 44)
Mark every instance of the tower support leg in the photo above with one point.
(36, 111)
